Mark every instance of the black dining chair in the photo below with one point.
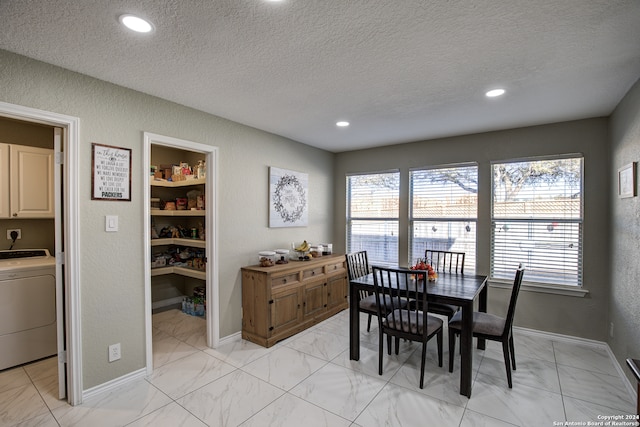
(358, 266)
(492, 327)
(445, 262)
(394, 287)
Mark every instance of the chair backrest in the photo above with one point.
(357, 264)
(445, 261)
(393, 287)
(517, 283)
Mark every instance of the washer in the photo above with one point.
(27, 306)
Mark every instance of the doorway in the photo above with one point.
(208, 245)
(65, 143)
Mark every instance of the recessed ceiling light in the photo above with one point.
(136, 24)
(342, 124)
(495, 92)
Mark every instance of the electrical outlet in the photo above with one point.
(114, 352)
(17, 230)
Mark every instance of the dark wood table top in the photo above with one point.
(455, 288)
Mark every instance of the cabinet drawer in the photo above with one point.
(284, 280)
(332, 268)
(312, 272)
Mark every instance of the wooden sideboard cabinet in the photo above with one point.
(284, 299)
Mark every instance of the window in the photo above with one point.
(537, 220)
(444, 211)
(372, 216)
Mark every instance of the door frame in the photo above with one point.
(211, 224)
(66, 260)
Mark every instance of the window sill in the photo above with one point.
(572, 291)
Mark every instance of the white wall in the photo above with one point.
(112, 264)
(578, 316)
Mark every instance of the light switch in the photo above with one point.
(111, 223)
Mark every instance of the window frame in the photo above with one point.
(412, 220)
(350, 219)
(556, 288)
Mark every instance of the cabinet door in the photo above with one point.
(315, 300)
(31, 182)
(285, 310)
(336, 291)
(4, 181)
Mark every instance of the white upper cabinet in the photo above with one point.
(27, 174)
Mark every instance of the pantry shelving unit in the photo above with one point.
(171, 283)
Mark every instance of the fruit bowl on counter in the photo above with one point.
(301, 252)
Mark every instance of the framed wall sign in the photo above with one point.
(627, 180)
(110, 173)
(288, 198)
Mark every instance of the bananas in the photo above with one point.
(303, 247)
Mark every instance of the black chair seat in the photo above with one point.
(412, 322)
(483, 323)
(368, 304)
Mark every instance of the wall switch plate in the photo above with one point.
(111, 223)
(17, 230)
(114, 352)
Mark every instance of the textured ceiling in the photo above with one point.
(399, 71)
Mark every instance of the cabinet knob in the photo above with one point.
(284, 280)
(15, 214)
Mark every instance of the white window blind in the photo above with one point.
(537, 219)
(444, 211)
(372, 216)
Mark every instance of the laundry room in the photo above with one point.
(27, 243)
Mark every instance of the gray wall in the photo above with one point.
(112, 264)
(625, 234)
(578, 316)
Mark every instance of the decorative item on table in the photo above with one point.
(282, 256)
(267, 258)
(302, 251)
(422, 264)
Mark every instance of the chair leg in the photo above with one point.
(440, 335)
(507, 361)
(389, 344)
(513, 353)
(369, 323)
(424, 356)
(380, 351)
(397, 345)
(452, 348)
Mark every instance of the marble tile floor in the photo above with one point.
(309, 380)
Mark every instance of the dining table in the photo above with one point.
(449, 288)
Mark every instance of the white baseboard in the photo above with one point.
(113, 384)
(230, 338)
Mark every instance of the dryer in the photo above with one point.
(27, 306)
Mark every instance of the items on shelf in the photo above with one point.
(177, 256)
(178, 232)
(179, 172)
